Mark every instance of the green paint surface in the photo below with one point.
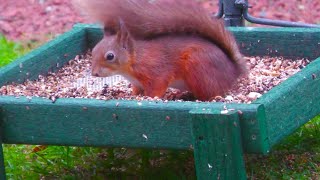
(217, 145)
(87, 122)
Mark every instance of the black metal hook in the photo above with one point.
(229, 10)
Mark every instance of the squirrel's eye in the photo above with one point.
(109, 56)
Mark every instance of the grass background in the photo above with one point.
(9, 51)
(297, 157)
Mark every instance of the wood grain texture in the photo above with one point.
(217, 145)
(292, 103)
(49, 57)
(85, 122)
(287, 42)
(93, 33)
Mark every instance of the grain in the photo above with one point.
(74, 81)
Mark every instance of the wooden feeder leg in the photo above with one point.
(2, 168)
(217, 145)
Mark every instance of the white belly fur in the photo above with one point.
(132, 80)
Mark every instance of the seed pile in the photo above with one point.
(264, 74)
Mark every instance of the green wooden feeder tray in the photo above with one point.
(219, 140)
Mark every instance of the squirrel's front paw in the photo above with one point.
(136, 90)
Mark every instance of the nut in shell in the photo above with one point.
(253, 95)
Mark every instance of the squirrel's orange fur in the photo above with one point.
(159, 44)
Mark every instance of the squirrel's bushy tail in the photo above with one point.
(152, 18)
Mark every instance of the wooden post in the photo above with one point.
(2, 168)
(217, 145)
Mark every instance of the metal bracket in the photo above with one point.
(235, 12)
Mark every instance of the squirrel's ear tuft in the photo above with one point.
(123, 36)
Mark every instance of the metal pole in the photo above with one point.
(281, 23)
(244, 5)
(233, 15)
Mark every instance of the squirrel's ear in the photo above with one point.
(123, 36)
(108, 31)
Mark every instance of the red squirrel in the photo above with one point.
(159, 44)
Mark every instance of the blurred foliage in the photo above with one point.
(9, 51)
